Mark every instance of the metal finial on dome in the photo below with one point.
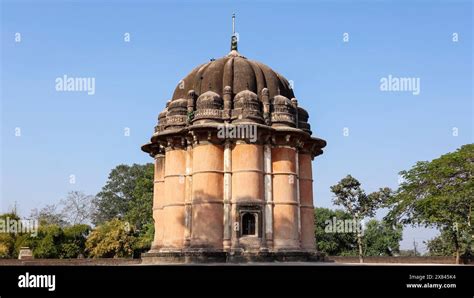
(233, 45)
(233, 24)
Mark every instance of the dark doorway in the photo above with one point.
(248, 224)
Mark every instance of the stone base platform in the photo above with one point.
(200, 257)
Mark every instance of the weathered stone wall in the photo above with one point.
(400, 260)
(71, 262)
(127, 261)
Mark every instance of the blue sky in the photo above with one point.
(72, 133)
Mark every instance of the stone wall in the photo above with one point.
(71, 262)
(400, 260)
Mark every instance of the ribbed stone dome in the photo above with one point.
(231, 90)
(236, 71)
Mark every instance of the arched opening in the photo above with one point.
(248, 224)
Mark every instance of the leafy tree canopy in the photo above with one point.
(330, 242)
(8, 240)
(443, 244)
(54, 241)
(439, 193)
(349, 194)
(381, 238)
(114, 238)
(128, 195)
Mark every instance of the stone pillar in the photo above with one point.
(227, 195)
(189, 196)
(158, 200)
(266, 105)
(190, 106)
(297, 166)
(248, 189)
(173, 207)
(235, 223)
(285, 210)
(267, 161)
(306, 202)
(208, 192)
(227, 103)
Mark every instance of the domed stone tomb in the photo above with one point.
(233, 174)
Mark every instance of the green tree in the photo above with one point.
(127, 195)
(349, 194)
(140, 207)
(440, 194)
(50, 241)
(47, 243)
(114, 238)
(8, 240)
(11, 241)
(74, 243)
(144, 239)
(440, 245)
(329, 241)
(54, 241)
(443, 244)
(381, 238)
